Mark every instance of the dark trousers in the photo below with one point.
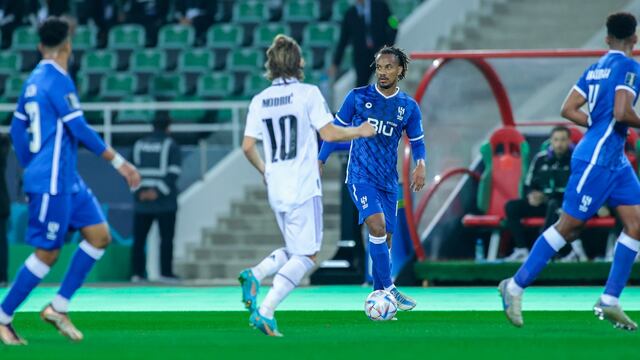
(363, 68)
(4, 251)
(141, 225)
(518, 209)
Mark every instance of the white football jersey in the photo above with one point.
(285, 116)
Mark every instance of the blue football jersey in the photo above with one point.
(603, 143)
(374, 160)
(48, 101)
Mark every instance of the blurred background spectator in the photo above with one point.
(197, 13)
(367, 26)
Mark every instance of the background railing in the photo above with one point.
(108, 128)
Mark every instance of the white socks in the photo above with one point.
(271, 264)
(60, 304)
(513, 288)
(285, 280)
(609, 300)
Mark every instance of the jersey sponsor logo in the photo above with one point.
(585, 202)
(277, 101)
(365, 202)
(630, 80)
(72, 101)
(368, 105)
(52, 230)
(598, 74)
(382, 127)
(31, 91)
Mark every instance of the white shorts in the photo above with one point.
(302, 227)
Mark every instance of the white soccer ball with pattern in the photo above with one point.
(380, 305)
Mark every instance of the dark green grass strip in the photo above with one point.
(327, 335)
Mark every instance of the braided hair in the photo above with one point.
(403, 58)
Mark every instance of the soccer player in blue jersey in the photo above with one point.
(600, 173)
(46, 129)
(372, 176)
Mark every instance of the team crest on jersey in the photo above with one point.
(630, 80)
(400, 113)
(368, 105)
(73, 101)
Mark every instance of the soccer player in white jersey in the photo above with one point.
(286, 116)
(600, 173)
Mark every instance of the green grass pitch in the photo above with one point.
(208, 323)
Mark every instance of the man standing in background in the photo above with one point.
(159, 159)
(367, 26)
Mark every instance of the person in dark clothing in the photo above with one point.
(158, 159)
(14, 14)
(544, 188)
(151, 14)
(197, 13)
(367, 26)
(104, 14)
(5, 206)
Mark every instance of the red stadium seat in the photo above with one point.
(506, 158)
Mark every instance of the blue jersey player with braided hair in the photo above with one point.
(600, 173)
(372, 176)
(46, 129)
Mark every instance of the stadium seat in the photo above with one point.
(193, 115)
(301, 10)
(215, 85)
(118, 85)
(126, 37)
(148, 61)
(321, 35)
(10, 62)
(195, 61)
(144, 116)
(25, 38)
(253, 84)
(315, 77)
(506, 159)
(225, 36)
(98, 62)
(252, 12)
(168, 85)
(176, 37)
(84, 37)
(245, 59)
(264, 33)
(13, 86)
(339, 8)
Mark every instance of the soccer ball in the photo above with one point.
(380, 305)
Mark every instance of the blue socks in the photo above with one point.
(545, 247)
(623, 259)
(379, 252)
(81, 264)
(28, 277)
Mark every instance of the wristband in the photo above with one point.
(117, 161)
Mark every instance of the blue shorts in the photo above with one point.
(370, 200)
(592, 186)
(52, 216)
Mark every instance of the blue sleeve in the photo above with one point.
(68, 109)
(328, 148)
(415, 133)
(20, 135)
(581, 86)
(347, 110)
(626, 77)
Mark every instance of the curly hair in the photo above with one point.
(403, 58)
(284, 59)
(621, 25)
